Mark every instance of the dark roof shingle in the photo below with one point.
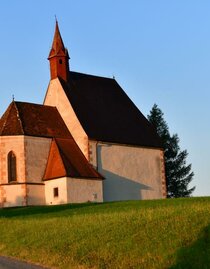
(107, 113)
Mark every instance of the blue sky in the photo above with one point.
(158, 51)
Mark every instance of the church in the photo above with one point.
(87, 142)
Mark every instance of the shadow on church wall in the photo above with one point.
(117, 187)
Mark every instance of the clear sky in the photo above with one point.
(158, 51)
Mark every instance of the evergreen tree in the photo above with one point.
(178, 174)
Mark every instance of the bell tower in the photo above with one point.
(58, 57)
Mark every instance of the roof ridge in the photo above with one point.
(19, 118)
(90, 75)
(7, 115)
(54, 144)
(63, 155)
(60, 155)
(31, 103)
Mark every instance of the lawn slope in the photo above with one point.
(160, 234)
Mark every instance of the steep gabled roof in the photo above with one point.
(23, 118)
(107, 113)
(66, 160)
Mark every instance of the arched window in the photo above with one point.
(11, 162)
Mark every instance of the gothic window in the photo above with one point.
(11, 161)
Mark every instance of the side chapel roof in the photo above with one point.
(65, 157)
(66, 160)
(23, 118)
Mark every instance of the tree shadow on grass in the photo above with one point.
(196, 256)
(65, 209)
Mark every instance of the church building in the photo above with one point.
(88, 142)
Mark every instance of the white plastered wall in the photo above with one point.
(15, 144)
(73, 190)
(22, 194)
(13, 195)
(56, 96)
(31, 158)
(131, 173)
(35, 194)
(61, 184)
(36, 156)
(84, 190)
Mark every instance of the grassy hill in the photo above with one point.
(162, 234)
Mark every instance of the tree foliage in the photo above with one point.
(178, 173)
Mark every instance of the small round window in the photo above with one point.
(60, 61)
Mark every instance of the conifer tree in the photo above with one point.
(178, 173)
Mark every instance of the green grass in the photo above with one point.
(161, 234)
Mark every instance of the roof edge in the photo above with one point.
(125, 144)
(18, 115)
(85, 178)
(90, 75)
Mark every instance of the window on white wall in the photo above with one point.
(55, 192)
(12, 169)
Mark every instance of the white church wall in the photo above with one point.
(31, 157)
(61, 194)
(22, 195)
(15, 144)
(13, 195)
(56, 96)
(131, 173)
(84, 190)
(36, 155)
(35, 194)
(73, 190)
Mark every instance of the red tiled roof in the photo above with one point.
(23, 118)
(107, 113)
(66, 160)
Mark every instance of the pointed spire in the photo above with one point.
(57, 45)
(58, 56)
